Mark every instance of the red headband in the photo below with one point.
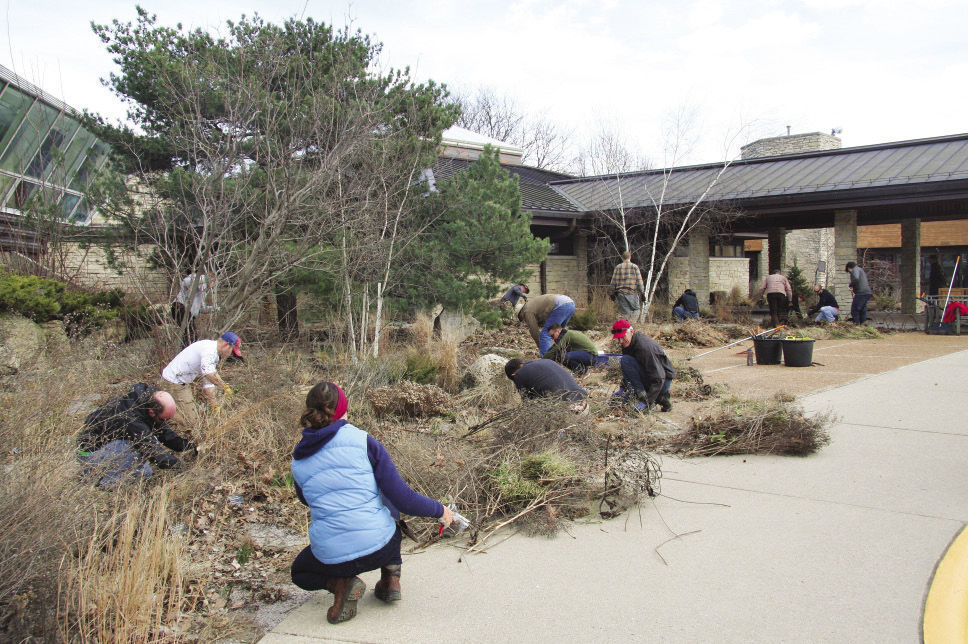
(341, 404)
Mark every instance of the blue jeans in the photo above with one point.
(634, 377)
(682, 314)
(827, 314)
(858, 308)
(559, 315)
(115, 461)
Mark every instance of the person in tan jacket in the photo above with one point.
(539, 313)
(779, 292)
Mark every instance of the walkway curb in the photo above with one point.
(946, 606)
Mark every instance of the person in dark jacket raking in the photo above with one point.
(128, 434)
(647, 373)
(355, 496)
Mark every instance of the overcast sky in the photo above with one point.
(879, 70)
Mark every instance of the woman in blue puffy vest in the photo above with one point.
(355, 495)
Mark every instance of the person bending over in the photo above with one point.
(541, 312)
(128, 434)
(572, 348)
(199, 360)
(539, 378)
(647, 373)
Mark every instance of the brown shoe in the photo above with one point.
(346, 592)
(388, 588)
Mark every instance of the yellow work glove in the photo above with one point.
(228, 393)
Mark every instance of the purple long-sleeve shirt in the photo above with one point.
(397, 495)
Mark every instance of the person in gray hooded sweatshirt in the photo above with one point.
(862, 292)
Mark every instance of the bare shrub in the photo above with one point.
(775, 426)
(729, 309)
(410, 400)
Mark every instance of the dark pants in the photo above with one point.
(778, 307)
(309, 573)
(635, 378)
(858, 308)
(178, 313)
(578, 361)
(113, 463)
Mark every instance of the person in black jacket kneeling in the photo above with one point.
(128, 434)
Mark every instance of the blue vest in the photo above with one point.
(349, 519)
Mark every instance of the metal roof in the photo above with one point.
(907, 163)
(536, 193)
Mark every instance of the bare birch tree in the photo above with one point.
(649, 210)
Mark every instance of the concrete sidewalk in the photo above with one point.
(838, 546)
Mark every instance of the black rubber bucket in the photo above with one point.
(797, 353)
(768, 350)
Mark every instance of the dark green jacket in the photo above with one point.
(570, 341)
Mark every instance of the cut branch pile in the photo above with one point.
(775, 426)
(410, 400)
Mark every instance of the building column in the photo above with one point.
(699, 264)
(777, 250)
(910, 264)
(845, 250)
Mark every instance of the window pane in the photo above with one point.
(13, 107)
(67, 205)
(21, 194)
(51, 150)
(28, 137)
(5, 182)
(72, 158)
(80, 215)
(57, 156)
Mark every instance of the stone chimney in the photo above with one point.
(790, 144)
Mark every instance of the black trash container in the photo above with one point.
(768, 350)
(797, 353)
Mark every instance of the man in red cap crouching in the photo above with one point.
(647, 374)
(199, 359)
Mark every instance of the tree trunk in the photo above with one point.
(286, 314)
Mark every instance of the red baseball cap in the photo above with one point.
(619, 328)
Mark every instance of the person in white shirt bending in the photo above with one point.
(199, 359)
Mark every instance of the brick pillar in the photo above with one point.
(845, 250)
(777, 250)
(910, 264)
(699, 264)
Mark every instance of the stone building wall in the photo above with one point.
(567, 274)
(808, 248)
(677, 274)
(90, 266)
(727, 273)
(791, 144)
